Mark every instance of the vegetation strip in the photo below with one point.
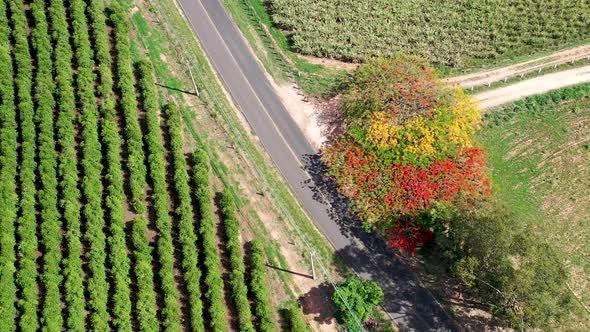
(145, 307)
(118, 257)
(8, 164)
(51, 224)
(236, 262)
(212, 263)
(157, 173)
(68, 168)
(136, 158)
(184, 213)
(92, 187)
(259, 289)
(26, 274)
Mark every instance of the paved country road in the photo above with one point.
(411, 306)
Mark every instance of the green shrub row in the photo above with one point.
(115, 196)
(92, 187)
(48, 205)
(236, 262)
(211, 261)
(145, 307)
(8, 164)
(26, 274)
(67, 167)
(125, 81)
(259, 288)
(295, 321)
(184, 215)
(157, 175)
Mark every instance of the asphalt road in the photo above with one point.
(406, 300)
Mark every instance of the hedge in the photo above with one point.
(68, 167)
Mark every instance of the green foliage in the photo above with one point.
(516, 273)
(8, 164)
(212, 263)
(184, 213)
(456, 33)
(295, 320)
(363, 297)
(146, 297)
(67, 167)
(115, 195)
(133, 135)
(51, 224)
(157, 175)
(259, 288)
(92, 187)
(237, 268)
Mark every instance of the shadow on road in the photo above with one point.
(406, 299)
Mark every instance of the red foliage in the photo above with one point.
(383, 193)
(406, 235)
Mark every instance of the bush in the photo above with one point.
(8, 170)
(212, 263)
(68, 168)
(259, 288)
(157, 175)
(361, 296)
(295, 321)
(146, 297)
(237, 268)
(184, 213)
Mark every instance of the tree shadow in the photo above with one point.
(318, 302)
(371, 257)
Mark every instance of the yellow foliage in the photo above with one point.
(465, 119)
(382, 134)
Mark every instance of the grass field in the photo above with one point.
(540, 164)
(454, 33)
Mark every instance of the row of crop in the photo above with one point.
(237, 267)
(211, 261)
(67, 167)
(51, 224)
(157, 175)
(184, 214)
(259, 289)
(125, 80)
(115, 196)
(92, 187)
(145, 307)
(8, 164)
(26, 274)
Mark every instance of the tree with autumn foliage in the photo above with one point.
(407, 145)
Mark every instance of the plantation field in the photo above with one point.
(452, 33)
(540, 162)
(111, 218)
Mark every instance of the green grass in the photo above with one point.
(540, 166)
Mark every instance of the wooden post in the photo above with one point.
(312, 256)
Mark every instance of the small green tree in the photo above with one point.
(361, 296)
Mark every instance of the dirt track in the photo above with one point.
(497, 74)
(533, 86)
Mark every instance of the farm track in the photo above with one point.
(533, 86)
(484, 77)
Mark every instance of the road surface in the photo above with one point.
(406, 300)
(533, 86)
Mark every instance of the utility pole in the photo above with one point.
(312, 256)
(192, 78)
